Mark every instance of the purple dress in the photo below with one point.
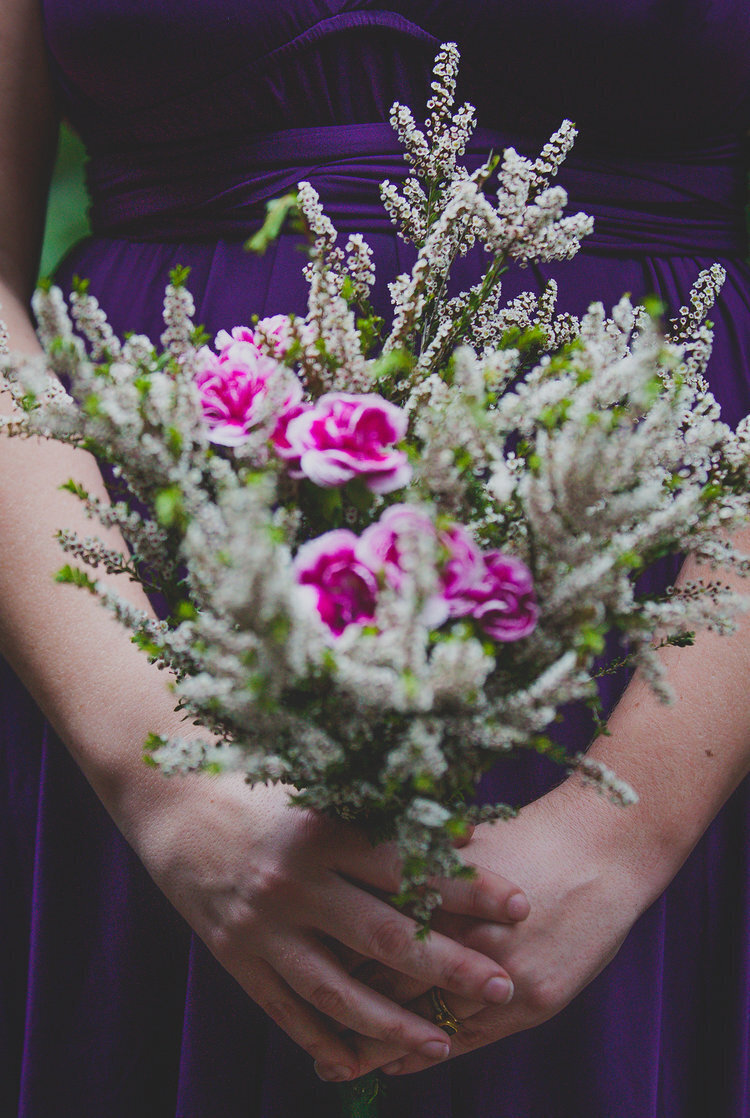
(195, 112)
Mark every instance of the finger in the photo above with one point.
(477, 1031)
(299, 1021)
(485, 896)
(487, 938)
(400, 988)
(318, 977)
(473, 1019)
(377, 930)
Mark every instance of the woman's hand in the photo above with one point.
(584, 898)
(274, 891)
(589, 869)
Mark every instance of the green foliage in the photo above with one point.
(169, 507)
(178, 277)
(67, 220)
(76, 489)
(681, 640)
(387, 369)
(154, 742)
(591, 640)
(147, 645)
(278, 211)
(74, 576)
(199, 336)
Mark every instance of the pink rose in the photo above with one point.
(234, 390)
(344, 436)
(344, 588)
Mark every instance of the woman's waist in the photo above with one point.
(217, 188)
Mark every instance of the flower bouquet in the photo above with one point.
(389, 553)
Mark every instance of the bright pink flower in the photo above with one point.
(225, 340)
(463, 571)
(277, 328)
(344, 588)
(344, 436)
(234, 388)
(381, 545)
(280, 438)
(506, 608)
(495, 589)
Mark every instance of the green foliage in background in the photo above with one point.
(68, 203)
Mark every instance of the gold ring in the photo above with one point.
(441, 1015)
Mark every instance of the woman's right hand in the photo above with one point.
(273, 891)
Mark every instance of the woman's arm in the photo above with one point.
(266, 886)
(591, 869)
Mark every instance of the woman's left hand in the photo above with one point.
(586, 887)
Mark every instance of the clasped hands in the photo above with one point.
(582, 905)
(285, 899)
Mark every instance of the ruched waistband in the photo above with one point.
(687, 204)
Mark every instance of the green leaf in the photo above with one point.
(178, 276)
(711, 491)
(630, 560)
(359, 495)
(74, 576)
(76, 489)
(653, 306)
(174, 440)
(169, 508)
(682, 640)
(277, 212)
(391, 364)
(154, 742)
(199, 336)
(592, 640)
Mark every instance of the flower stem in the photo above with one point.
(362, 1098)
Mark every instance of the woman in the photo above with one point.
(195, 114)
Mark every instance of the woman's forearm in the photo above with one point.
(95, 686)
(683, 759)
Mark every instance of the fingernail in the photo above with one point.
(394, 1068)
(498, 991)
(333, 1074)
(518, 907)
(435, 1050)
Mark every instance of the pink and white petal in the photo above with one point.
(323, 468)
(227, 435)
(396, 477)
